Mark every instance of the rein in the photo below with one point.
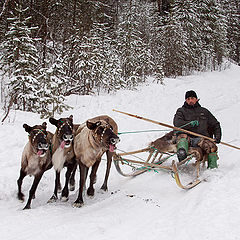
(104, 130)
(155, 130)
(34, 137)
(60, 128)
(39, 132)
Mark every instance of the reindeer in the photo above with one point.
(168, 143)
(36, 158)
(92, 140)
(62, 154)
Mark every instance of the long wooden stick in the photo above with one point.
(175, 128)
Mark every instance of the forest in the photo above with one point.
(50, 49)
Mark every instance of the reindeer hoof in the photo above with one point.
(90, 192)
(101, 191)
(26, 207)
(21, 197)
(104, 189)
(64, 199)
(52, 199)
(78, 205)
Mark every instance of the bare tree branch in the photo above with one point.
(4, 8)
(12, 100)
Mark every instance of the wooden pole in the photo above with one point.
(175, 128)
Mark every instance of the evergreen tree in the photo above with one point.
(89, 58)
(106, 74)
(52, 83)
(155, 37)
(213, 30)
(108, 44)
(173, 48)
(232, 12)
(133, 51)
(19, 61)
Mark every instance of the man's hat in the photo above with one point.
(190, 93)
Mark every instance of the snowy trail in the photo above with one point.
(149, 206)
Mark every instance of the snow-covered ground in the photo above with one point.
(149, 206)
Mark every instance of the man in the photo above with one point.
(191, 116)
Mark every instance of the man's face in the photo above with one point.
(191, 101)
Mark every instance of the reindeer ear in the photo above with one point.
(92, 125)
(27, 128)
(44, 125)
(71, 118)
(53, 121)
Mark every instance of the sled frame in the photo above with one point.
(154, 162)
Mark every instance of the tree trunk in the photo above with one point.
(45, 30)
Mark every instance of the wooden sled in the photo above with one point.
(156, 161)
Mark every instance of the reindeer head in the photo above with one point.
(103, 134)
(38, 138)
(64, 130)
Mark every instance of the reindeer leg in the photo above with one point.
(90, 191)
(109, 163)
(72, 179)
(59, 185)
(32, 191)
(83, 174)
(19, 183)
(65, 191)
(54, 197)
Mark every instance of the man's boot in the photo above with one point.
(212, 160)
(182, 149)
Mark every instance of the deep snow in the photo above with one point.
(150, 206)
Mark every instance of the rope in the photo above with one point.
(141, 131)
(160, 130)
(131, 155)
(192, 122)
(149, 168)
(189, 160)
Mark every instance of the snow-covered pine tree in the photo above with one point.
(232, 11)
(130, 45)
(179, 37)
(154, 41)
(99, 68)
(173, 48)
(53, 82)
(90, 59)
(106, 73)
(19, 61)
(70, 56)
(213, 30)
(149, 64)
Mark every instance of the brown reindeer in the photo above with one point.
(62, 154)
(93, 139)
(168, 143)
(36, 158)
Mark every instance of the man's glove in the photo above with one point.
(194, 123)
(217, 140)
